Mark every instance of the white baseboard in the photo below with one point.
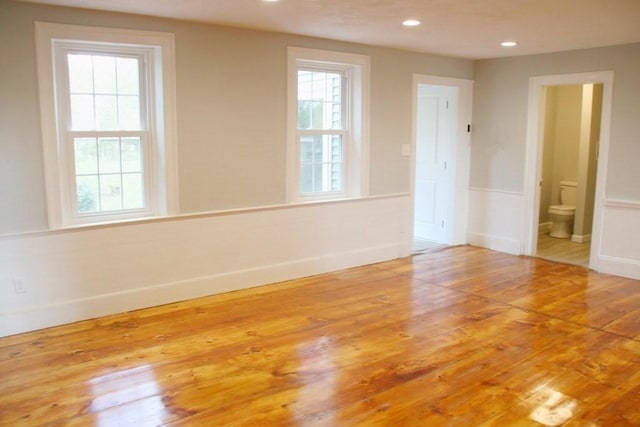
(584, 238)
(495, 243)
(39, 317)
(619, 266)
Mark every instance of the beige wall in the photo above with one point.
(231, 94)
(567, 137)
(592, 168)
(500, 116)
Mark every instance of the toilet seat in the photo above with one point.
(567, 210)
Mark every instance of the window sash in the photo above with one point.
(73, 176)
(68, 135)
(344, 103)
(323, 171)
(63, 49)
(330, 172)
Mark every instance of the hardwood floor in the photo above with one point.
(460, 337)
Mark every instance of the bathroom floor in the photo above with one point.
(563, 250)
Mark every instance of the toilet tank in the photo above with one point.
(568, 192)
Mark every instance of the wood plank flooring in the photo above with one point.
(460, 337)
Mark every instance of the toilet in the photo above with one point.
(561, 216)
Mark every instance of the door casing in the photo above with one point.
(458, 155)
(533, 163)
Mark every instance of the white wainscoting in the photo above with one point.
(496, 220)
(70, 275)
(620, 248)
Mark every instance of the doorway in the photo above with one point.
(543, 187)
(570, 137)
(442, 125)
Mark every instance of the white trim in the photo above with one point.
(493, 190)
(533, 163)
(619, 266)
(68, 281)
(623, 204)
(460, 157)
(495, 243)
(41, 316)
(206, 214)
(357, 150)
(581, 238)
(164, 129)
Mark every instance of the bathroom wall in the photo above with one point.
(548, 152)
(587, 161)
(561, 143)
(567, 138)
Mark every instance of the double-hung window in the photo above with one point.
(108, 155)
(328, 119)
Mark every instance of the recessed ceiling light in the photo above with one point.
(411, 23)
(509, 43)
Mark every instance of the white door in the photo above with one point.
(433, 136)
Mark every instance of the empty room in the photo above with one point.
(319, 213)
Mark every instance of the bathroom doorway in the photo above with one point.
(570, 137)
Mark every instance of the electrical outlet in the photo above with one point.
(19, 287)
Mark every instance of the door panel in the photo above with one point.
(432, 142)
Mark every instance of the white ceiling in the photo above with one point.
(462, 28)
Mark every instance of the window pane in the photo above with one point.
(317, 177)
(110, 192)
(321, 168)
(109, 155)
(337, 152)
(335, 177)
(306, 178)
(82, 112)
(104, 74)
(80, 73)
(306, 149)
(304, 114)
(106, 112)
(105, 92)
(87, 192)
(86, 155)
(109, 174)
(131, 150)
(317, 115)
(132, 191)
(129, 112)
(319, 100)
(128, 76)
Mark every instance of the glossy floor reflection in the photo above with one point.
(459, 337)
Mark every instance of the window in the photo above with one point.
(328, 119)
(107, 125)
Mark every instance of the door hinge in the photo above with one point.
(447, 105)
(468, 128)
(443, 223)
(445, 164)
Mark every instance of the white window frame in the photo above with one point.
(356, 69)
(160, 157)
